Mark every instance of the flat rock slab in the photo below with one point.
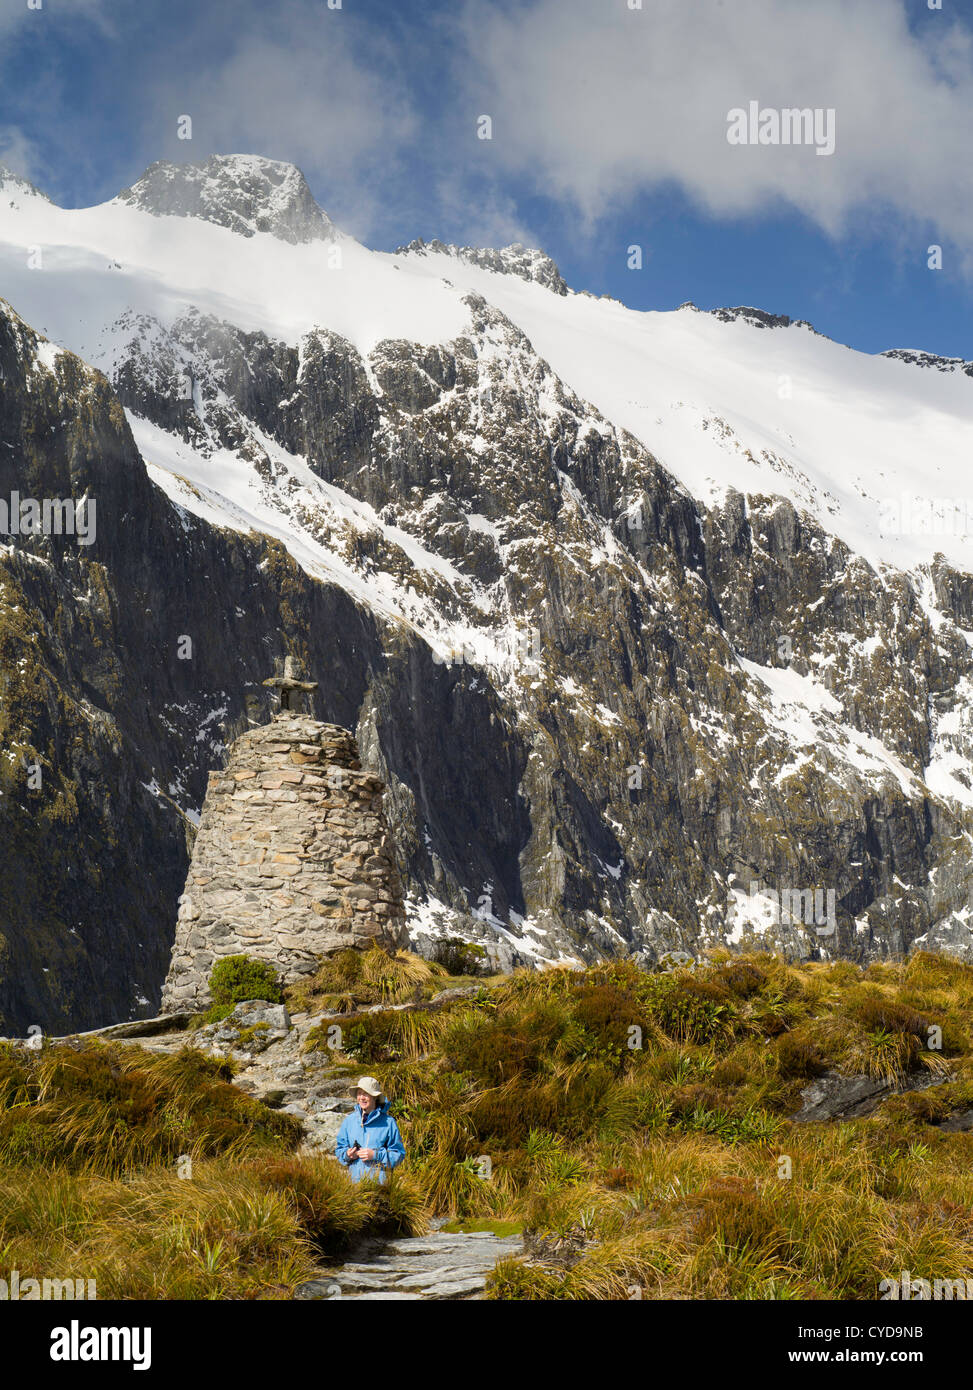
(317, 1289)
(398, 1250)
(350, 1283)
(437, 1266)
(162, 1024)
(383, 1294)
(442, 1279)
(451, 1260)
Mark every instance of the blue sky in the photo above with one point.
(609, 129)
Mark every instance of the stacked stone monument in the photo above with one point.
(293, 859)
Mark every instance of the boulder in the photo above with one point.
(251, 1027)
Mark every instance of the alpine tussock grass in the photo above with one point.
(635, 1126)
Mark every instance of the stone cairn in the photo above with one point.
(293, 858)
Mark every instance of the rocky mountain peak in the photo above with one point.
(757, 318)
(12, 185)
(246, 193)
(523, 261)
(916, 357)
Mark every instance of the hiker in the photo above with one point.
(369, 1141)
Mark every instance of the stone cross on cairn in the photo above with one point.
(291, 688)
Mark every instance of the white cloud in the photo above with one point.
(488, 218)
(19, 153)
(597, 102)
(294, 83)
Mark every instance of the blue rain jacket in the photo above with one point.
(379, 1132)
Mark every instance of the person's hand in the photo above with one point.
(366, 1154)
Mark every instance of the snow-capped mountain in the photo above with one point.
(634, 611)
(245, 193)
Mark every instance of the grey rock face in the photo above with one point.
(951, 935)
(526, 263)
(960, 1123)
(647, 643)
(927, 360)
(14, 186)
(127, 733)
(757, 318)
(261, 1023)
(595, 773)
(246, 193)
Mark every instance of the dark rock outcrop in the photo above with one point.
(527, 263)
(834, 1097)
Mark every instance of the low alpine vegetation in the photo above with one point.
(160, 1179)
(349, 979)
(112, 1110)
(637, 1127)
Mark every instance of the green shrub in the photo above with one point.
(331, 1209)
(236, 979)
(741, 1218)
(742, 977)
(875, 1013)
(350, 978)
(495, 1048)
(744, 1127)
(389, 1035)
(730, 1073)
(605, 1014)
(458, 957)
(688, 1009)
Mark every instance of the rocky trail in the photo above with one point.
(266, 1042)
(439, 1265)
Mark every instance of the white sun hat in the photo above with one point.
(370, 1086)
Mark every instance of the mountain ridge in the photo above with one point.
(247, 193)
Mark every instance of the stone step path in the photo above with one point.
(436, 1266)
